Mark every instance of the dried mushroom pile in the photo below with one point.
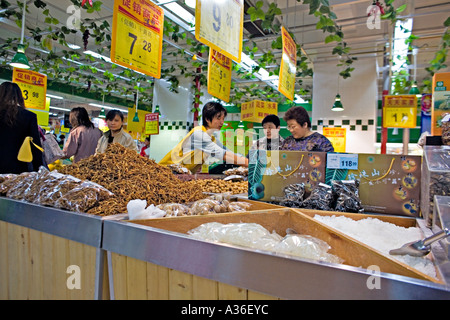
(130, 176)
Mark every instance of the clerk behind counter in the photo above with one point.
(200, 144)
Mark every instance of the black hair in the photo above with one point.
(80, 117)
(113, 113)
(11, 102)
(210, 110)
(271, 118)
(298, 114)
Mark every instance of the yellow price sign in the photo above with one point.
(137, 36)
(151, 123)
(400, 111)
(219, 25)
(286, 83)
(337, 137)
(219, 75)
(33, 86)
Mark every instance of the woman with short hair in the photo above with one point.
(302, 138)
(200, 143)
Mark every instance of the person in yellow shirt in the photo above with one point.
(200, 143)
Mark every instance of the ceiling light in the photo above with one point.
(180, 12)
(102, 114)
(62, 109)
(414, 89)
(73, 46)
(190, 3)
(337, 106)
(20, 60)
(106, 107)
(54, 97)
(97, 55)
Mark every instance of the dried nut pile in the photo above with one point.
(130, 176)
(221, 186)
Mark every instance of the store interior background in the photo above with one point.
(361, 93)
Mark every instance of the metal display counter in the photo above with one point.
(43, 250)
(151, 263)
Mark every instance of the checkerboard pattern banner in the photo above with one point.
(175, 125)
(349, 124)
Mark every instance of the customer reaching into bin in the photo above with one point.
(200, 143)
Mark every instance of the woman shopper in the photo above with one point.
(302, 138)
(115, 134)
(17, 123)
(83, 137)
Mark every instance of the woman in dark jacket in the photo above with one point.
(16, 123)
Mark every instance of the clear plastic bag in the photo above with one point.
(21, 185)
(83, 197)
(56, 185)
(306, 246)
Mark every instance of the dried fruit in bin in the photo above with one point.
(175, 209)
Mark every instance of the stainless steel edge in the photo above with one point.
(279, 276)
(80, 227)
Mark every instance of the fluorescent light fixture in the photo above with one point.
(190, 3)
(54, 97)
(298, 99)
(180, 12)
(96, 55)
(73, 46)
(107, 107)
(62, 109)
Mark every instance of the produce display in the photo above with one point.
(54, 189)
(221, 186)
(256, 236)
(129, 176)
(240, 171)
(218, 203)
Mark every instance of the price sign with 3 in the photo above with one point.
(219, 75)
(219, 25)
(137, 36)
(33, 86)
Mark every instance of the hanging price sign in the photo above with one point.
(151, 123)
(219, 75)
(33, 86)
(219, 25)
(337, 137)
(286, 83)
(400, 111)
(137, 36)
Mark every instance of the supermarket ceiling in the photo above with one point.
(428, 17)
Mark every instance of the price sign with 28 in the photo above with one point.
(219, 24)
(137, 36)
(33, 86)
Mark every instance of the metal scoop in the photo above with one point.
(422, 247)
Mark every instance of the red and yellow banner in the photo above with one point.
(151, 123)
(286, 84)
(137, 36)
(337, 137)
(219, 75)
(33, 86)
(400, 111)
(256, 110)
